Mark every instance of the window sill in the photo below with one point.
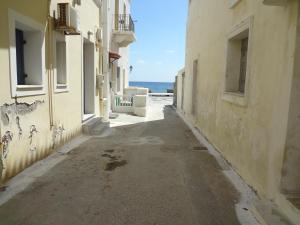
(29, 87)
(28, 90)
(61, 88)
(235, 98)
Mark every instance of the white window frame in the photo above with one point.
(59, 88)
(24, 90)
(235, 97)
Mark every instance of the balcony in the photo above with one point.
(123, 31)
(68, 19)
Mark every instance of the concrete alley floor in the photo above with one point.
(149, 171)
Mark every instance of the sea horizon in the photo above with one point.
(154, 86)
(152, 81)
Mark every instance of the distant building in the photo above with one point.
(241, 89)
(60, 62)
(121, 33)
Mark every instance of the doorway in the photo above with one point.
(195, 87)
(124, 80)
(182, 91)
(118, 79)
(88, 79)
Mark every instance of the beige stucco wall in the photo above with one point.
(66, 109)
(291, 177)
(251, 137)
(19, 155)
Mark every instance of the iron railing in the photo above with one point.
(121, 100)
(124, 22)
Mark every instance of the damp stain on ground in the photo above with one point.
(114, 160)
(3, 188)
(109, 150)
(115, 164)
(200, 148)
(111, 157)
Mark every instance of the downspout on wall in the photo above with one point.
(50, 70)
(106, 38)
(99, 74)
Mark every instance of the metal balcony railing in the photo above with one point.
(124, 22)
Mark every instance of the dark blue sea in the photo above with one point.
(155, 87)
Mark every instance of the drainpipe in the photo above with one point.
(106, 39)
(50, 65)
(100, 66)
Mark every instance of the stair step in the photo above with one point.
(99, 129)
(94, 126)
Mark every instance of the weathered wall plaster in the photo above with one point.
(19, 126)
(29, 118)
(5, 140)
(57, 134)
(32, 132)
(23, 108)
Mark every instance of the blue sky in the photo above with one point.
(159, 51)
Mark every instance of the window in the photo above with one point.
(237, 64)
(27, 55)
(237, 61)
(61, 65)
(118, 79)
(20, 42)
(243, 64)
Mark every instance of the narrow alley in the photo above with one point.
(145, 172)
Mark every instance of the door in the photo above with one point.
(195, 87)
(89, 78)
(182, 91)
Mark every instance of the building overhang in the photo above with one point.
(113, 57)
(275, 2)
(124, 38)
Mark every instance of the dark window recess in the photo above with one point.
(243, 65)
(118, 72)
(20, 42)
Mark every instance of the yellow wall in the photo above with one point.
(251, 137)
